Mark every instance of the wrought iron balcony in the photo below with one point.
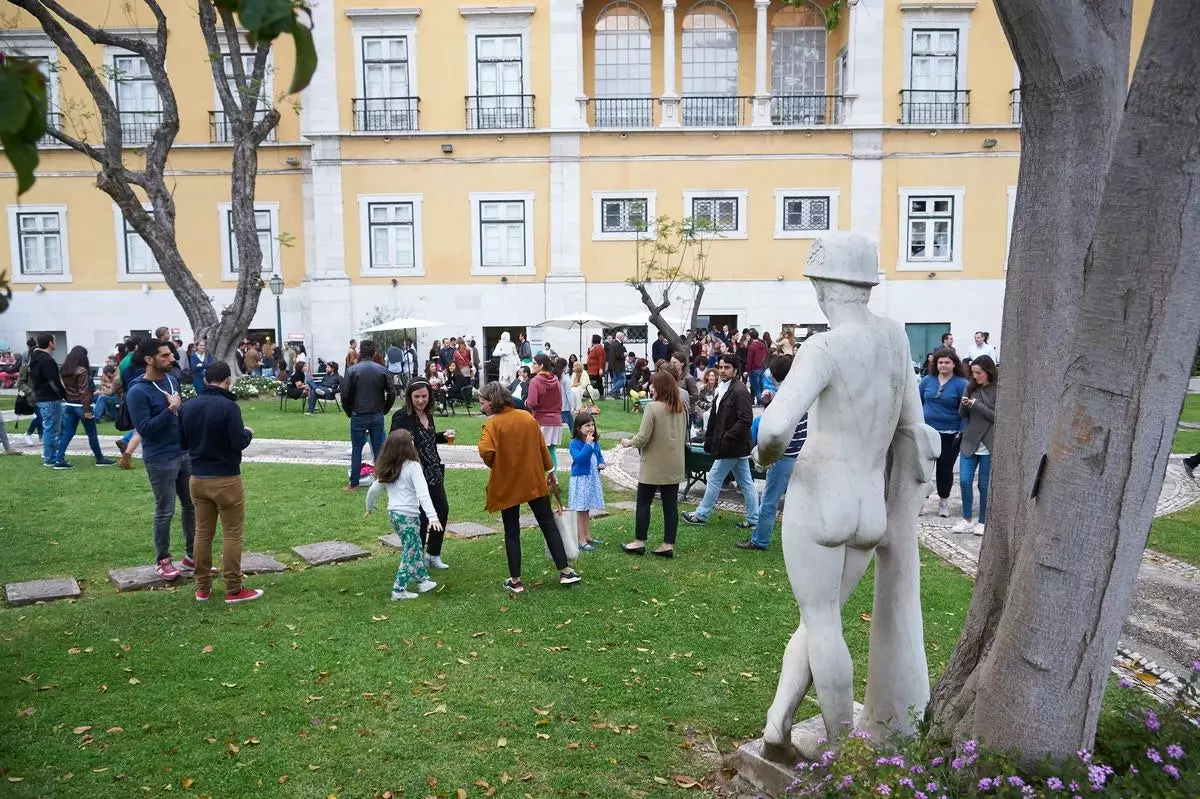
(220, 127)
(386, 114)
(807, 109)
(137, 127)
(934, 107)
(499, 111)
(713, 111)
(623, 113)
(1014, 104)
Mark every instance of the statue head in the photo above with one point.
(504, 336)
(844, 258)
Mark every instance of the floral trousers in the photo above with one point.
(412, 558)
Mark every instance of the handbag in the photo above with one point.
(564, 520)
(123, 422)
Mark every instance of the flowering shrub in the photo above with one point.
(243, 388)
(187, 391)
(1141, 752)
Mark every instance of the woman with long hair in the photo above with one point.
(661, 440)
(929, 368)
(978, 407)
(398, 472)
(78, 391)
(417, 418)
(941, 395)
(544, 401)
(298, 387)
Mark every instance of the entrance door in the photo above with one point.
(491, 337)
(924, 337)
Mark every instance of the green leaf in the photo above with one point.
(15, 103)
(306, 57)
(260, 15)
(24, 158)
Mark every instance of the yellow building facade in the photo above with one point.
(489, 165)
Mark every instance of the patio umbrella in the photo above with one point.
(578, 320)
(403, 323)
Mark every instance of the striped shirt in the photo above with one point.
(799, 436)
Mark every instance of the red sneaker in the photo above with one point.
(245, 595)
(202, 596)
(188, 563)
(166, 569)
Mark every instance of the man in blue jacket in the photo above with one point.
(214, 436)
(154, 404)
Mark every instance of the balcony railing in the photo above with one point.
(623, 113)
(1014, 104)
(713, 111)
(386, 114)
(807, 109)
(220, 127)
(137, 127)
(933, 107)
(499, 111)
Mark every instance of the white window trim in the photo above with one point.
(742, 196)
(598, 198)
(14, 244)
(477, 267)
(122, 276)
(493, 21)
(268, 89)
(955, 264)
(398, 22)
(223, 209)
(781, 194)
(952, 18)
(364, 234)
(1012, 207)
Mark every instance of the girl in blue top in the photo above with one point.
(587, 493)
(941, 396)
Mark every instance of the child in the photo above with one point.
(587, 493)
(398, 471)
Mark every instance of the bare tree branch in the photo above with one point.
(90, 150)
(96, 35)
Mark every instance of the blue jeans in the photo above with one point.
(104, 403)
(778, 476)
(756, 385)
(362, 426)
(170, 479)
(616, 383)
(51, 414)
(35, 424)
(312, 394)
(72, 416)
(966, 479)
(716, 478)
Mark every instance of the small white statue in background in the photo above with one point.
(857, 487)
(510, 361)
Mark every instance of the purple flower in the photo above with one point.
(931, 787)
(1054, 784)
(918, 769)
(1151, 721)
(920, 795)
(970, 747)
(863, 734)
(1153, 755)
(1171, 770)
(1124, 683)
(883, 790)
(882, 761)
(847, 780)
(1016, 782)
(957, 763)
(1196, 667)
(985, 784)
(1134, 770)
(1175, 751)
(1073, 787)
(906, 782)
(1084, 755)
(937, 761)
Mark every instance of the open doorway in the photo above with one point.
(491, 337)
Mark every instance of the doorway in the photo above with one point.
(924, 337)
(491, 337)
(717, 321)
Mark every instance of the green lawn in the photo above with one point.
(1178, 535)
(325, 687)
(1191, 409)
(1186, 442)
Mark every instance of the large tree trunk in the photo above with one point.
(1058, 571)
(657, 319)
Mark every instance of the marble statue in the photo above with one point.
(855, 493)
(510, 361)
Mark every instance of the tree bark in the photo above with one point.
(656, 318)
(1124, 369)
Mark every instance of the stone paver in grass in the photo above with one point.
(468, 530)
(41, 591)
(327, 552)
(624, 505)
(259, 563)
(391, 540)
(615, 435)
(528, 522)
(139, 578)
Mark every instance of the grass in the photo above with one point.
(1191, 409)
(325, 687)
(1176, 535)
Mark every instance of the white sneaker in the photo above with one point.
(977, 529)
(398, 595)
(29, 442)
(426, 585)
(944, 509)
(963, 526)
(435, 562)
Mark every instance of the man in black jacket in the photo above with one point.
(213, 435)
(367, 395)
(728, 440)
(616, 365)
(48, 392)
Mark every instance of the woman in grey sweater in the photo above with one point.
(978, 407)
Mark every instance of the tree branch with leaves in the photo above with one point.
(673, 252)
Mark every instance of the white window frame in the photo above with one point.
(14, 243)
(782, 195)
(940, 19)
(227, 271)
(110, 56)
(741, 195)
(1012, 207)
(392, 23)
(498, 21)
(267, 91)
(365, 201)
(598, 197)
(122, 274)
(477, 267)
(955, 264)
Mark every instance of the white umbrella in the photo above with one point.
(580, 319)
(403, 323)
(635, 319)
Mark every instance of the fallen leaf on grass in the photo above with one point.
(134, 681)
(661, 780)
(74, 650)
(28, 679)
(229, 685)
(572, 746)
(460, 793)
(283, 779)
(479, 634)
(378, 618)
(232, 749)
(684, 781)
(252, 741)
(16, 779)
(81, 730)
(464, 662)
(100, 770)
(543, 736)
(207, 650)
(26, 711)
(115, 730)
(439, 709)
(502, 742)
(312, 767)
(504, 778)
(187, 782)
(865, 616)
(103, 688)
(527, 776)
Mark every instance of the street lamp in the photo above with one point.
(276, 284)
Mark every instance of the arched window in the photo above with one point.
(799, 48)
(710, 65)
(622, 91)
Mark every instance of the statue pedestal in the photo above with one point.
(771, 777)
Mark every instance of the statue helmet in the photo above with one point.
(844, 258)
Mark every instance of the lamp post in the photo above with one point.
(276, 284)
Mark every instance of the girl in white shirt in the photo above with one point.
(398, 472)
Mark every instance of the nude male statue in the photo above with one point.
(858, 380)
